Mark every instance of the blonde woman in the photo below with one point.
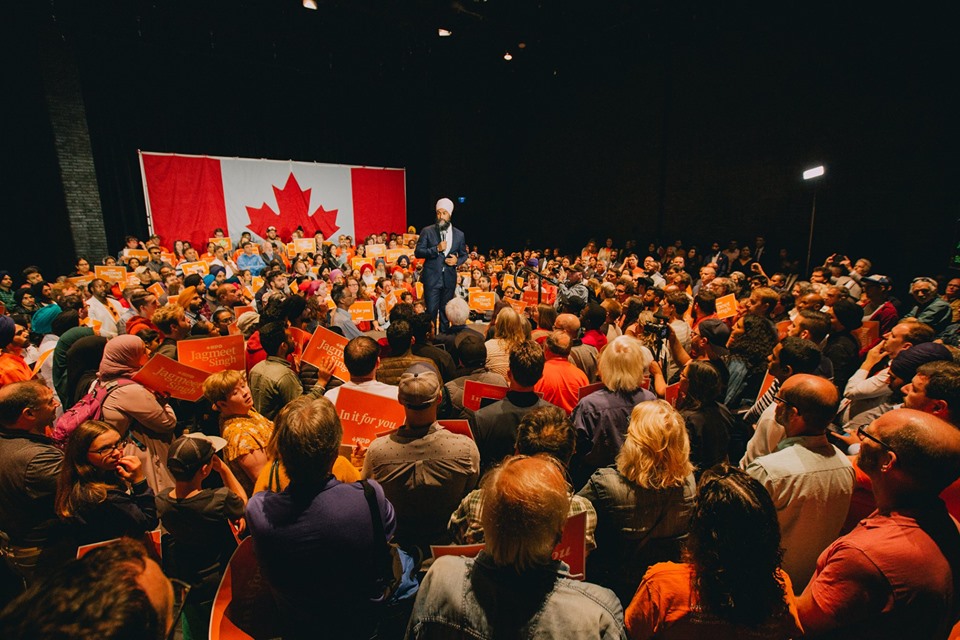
(508, 331)
(644, 503)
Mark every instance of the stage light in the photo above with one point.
(507, 56)
(815, 172)
(809, 174)
(444, 33)
(461, 199)
(310, 4)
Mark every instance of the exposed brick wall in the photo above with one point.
(68, 119)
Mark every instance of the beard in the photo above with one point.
(442, 225)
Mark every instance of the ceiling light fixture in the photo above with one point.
(310, 4)
(507, 56)
(444, 33)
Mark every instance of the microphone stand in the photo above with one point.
(540, 279)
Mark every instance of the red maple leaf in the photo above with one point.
(294, 203)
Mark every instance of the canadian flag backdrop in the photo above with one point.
(187, 197)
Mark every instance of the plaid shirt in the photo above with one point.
(465, 527)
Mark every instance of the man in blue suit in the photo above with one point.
(443, 249)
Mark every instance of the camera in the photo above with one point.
(658, 329)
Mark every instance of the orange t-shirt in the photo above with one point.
(13, 369)
(665, 606)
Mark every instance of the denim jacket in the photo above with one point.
(473, 598)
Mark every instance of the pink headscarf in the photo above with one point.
(121, 357)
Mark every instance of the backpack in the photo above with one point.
(90, 407)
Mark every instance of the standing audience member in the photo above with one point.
(643, 503)
(514, 588)
(710, 424)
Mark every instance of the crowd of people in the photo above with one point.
(757, 452)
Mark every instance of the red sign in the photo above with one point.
(586, 390)
(868, 334)
(461, 427)
(473, 391)
(572, 547)
(766, 384)
(672, 394)
(164, 375)
(364, 415)
(212, 354)
(323, 345)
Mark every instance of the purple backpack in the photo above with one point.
(90, 407)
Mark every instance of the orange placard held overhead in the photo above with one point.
(362, 310)
(356, 262)
(481, 300)
(727, 306)
(305, 245)
(376, 250)
(323, 345)
(212, 354)
(474, 392)
(508, 280)
(140, 254)
(111, 274)
(82, 281)
(365, 415)
(200, 268)
(223, 242)
(164, 375)
(156, 290)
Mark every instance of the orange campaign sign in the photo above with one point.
(362, 310)
(111, 274)
(239, 311)
(376, 250)
(511, 281)
(474, 392)
(481, 300)
(356, 262)
(323, 345)
(364, 415)
(572, 547)
(305, 245)
(200, 268)
(169, 258)
(212, 354)
(461, 427)
(766, 384)
(164, 375)
(223, 242)
(133, 280)
(549, 293)
(407, 237)
(140, 254)
(257, 283)
(782, 328)
(518, 305)
(394, 254)
(156, 290)
(868, 335)
(82, 281)
(418, 287)
(291, 250)
(530, 297)
(93, 324)
(727, 306)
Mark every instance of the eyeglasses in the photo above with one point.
(181, 590)
(862, 432)
(784, 401)
(110, 448)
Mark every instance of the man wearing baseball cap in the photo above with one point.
(424, 469)
(443, 249)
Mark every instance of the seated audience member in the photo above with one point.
(878, 306)
(104, 309)
(344, 297)
(101, 493)
(592, 318)
(361, 356)
(495, 425)
(730, 584)
(273, 382)
(545, 430)
(601, 418)
(14, 339)
(473, 358)
(143, 304)
(144, 419)
(421, 329)
(514, 588)
(115, 592)
(508, 332)
(643, 503)
(319, 526)
(199, 541)
(424, 469)
(867, 587)
(400, 340)
(29, 469)
(867, 387)
(561, 380)
(930, 308)
(809, 479)
(245, 430)
(585, 356)
(751, 340)
(710, 425)
(842, 348)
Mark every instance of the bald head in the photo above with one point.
(812, 301)
(923, 455)
(814, 398)
(569, 323)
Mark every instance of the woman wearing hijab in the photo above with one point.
(138, 414)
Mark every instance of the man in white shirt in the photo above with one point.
(361, 356)
(104, 310)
